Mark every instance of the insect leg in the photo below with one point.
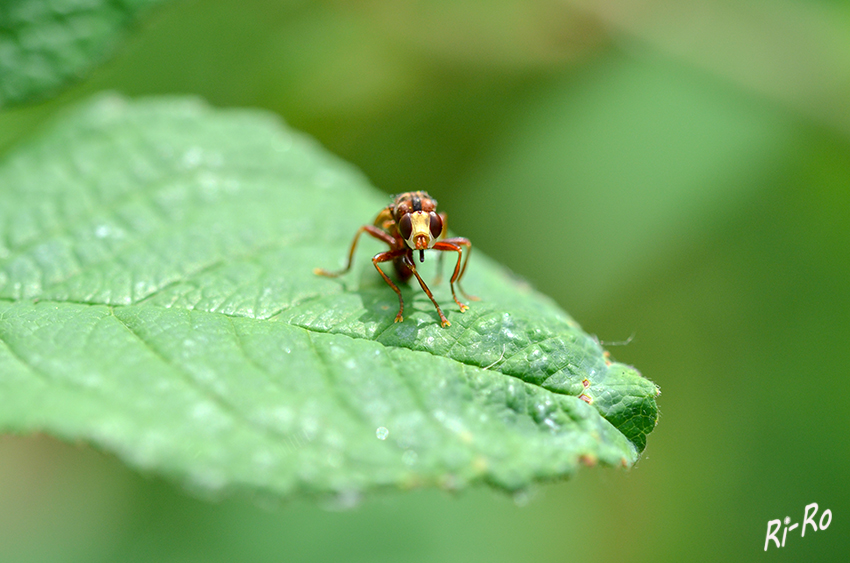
(386, 257)
(372, 230)
(461, 241)
(439, 278)
(443, 320)
(446, 247)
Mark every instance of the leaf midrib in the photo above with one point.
(272, 434)
(308, 329)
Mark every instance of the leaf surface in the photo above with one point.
(157, 299)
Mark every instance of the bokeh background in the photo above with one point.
(676, 174)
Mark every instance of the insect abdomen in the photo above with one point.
(402, 270)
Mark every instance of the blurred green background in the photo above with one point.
(675, 171)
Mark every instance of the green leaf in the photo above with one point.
(45, 44)
(157, 299)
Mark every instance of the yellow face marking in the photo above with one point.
(420, 232)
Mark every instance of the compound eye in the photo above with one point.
(436, 225)
(404, 226)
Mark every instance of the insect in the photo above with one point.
(411, 224)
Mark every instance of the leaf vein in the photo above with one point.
(329, 378)
(270, 432)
